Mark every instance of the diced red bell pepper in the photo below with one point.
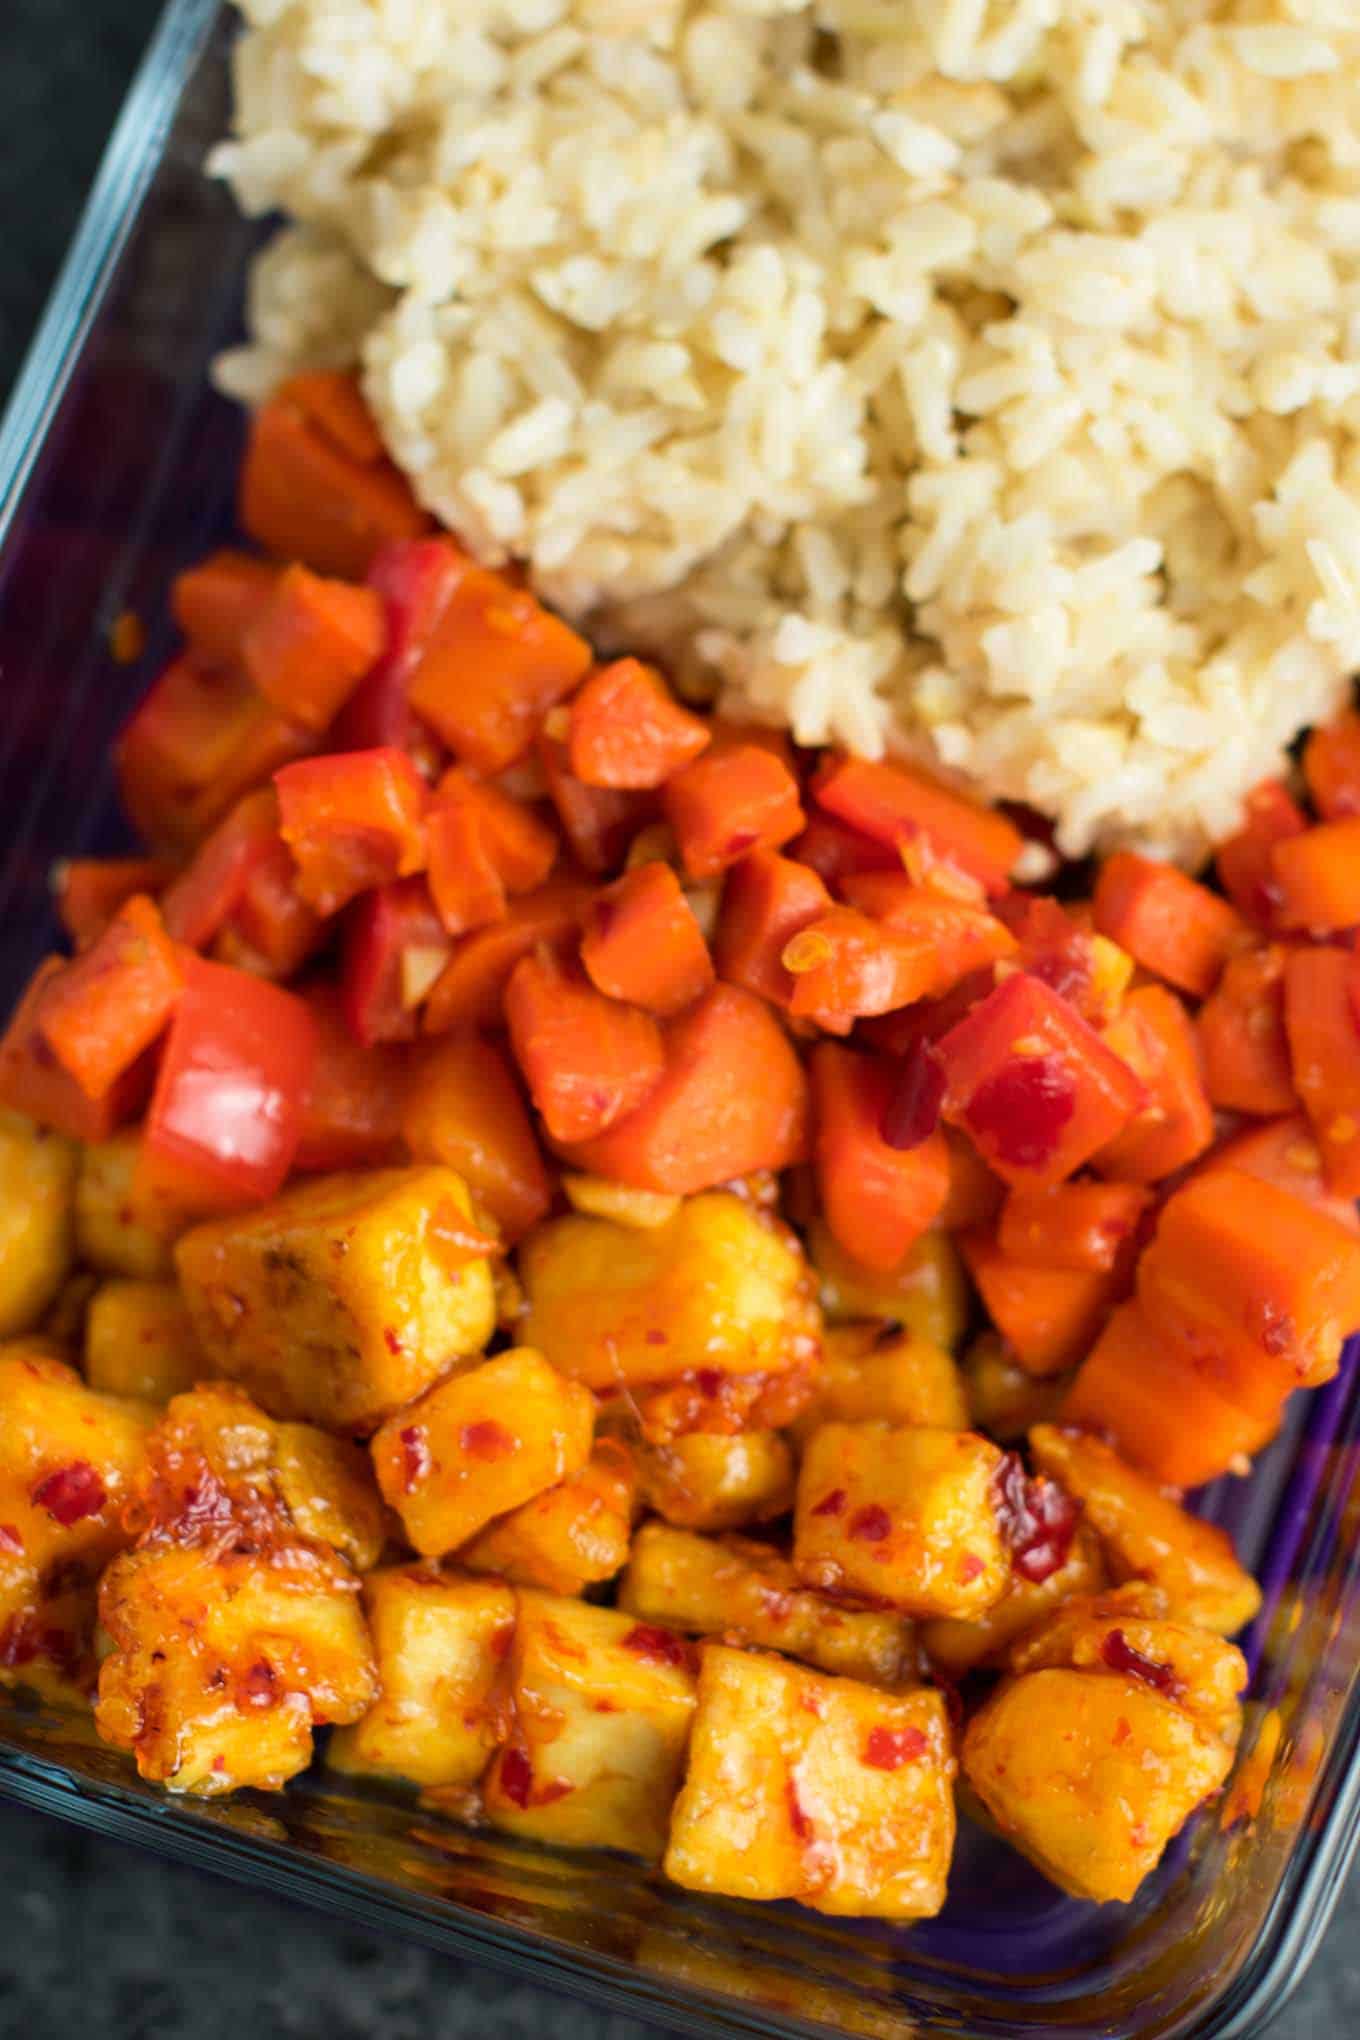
(272, 931)
(415, 580)
(394, 948)
(961, 934)
(1091, 1226)
(736, 798)
(483, 846)
(231, 1092)
(845, 966)
(352, 1113)
(1244, 862)
(471, 989)
(1243, 1046)
(1170, 924)
(1323, 1028)
(216, 603)
(90, 890)
(312, 644)
(835, 852)
(732, 1101)
(766, 900)
(627, 729)
(642, 944)
(491, 667)
(1048, 1317)
(205, 895)
(1317, 877)
(1284, 1152)
(599, 822)
(1032, 1085)
(588, 1061)
(899, 805)
(33, 1082)
(1331, 767)
(878, 1199)
(353, 820)
(1155, 1037)
(110, 1004)
(305, 494)
(919, 1026)
(463, 1108)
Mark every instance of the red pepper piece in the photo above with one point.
(1331, 767)
(414, 579)
(1244, 863)
(598, 822)
(394, 949)
(352, 1113)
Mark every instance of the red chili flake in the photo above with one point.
(1122, 1732)
(709, 1381)
(830, 1505)
(415, 1457)
(653, 1336)
(486, 1439)
(1023, 1108)
(911, 1111)
(258, 1687)
(391, 1341)
(870, 1525)
(1121, 1656)
(219, 1764)
(662, 1646)
(70, 1494)
(10, 1540)
(887, 1749)
(1037, 1518)
(970, 1565)
(798, 1818)
(516, 1777)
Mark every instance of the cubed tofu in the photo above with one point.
(601, 1709)
(878, 1372)
(1003, 1400)
(482, 1443)
(442, 1645)
(139, 1341)
(344, 1299)
(121, 1228)
(956, 1647)
(733, 1586)
(1146, 1535)
(570, 1537)
(906, 1516)
(928, 1294)
(37, 1199)
(710, 1480)
(69, 1462)
(223, 1661)
(723, 1287)
(815, 1788)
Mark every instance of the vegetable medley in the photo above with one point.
(635, 1273)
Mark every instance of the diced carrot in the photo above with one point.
(1317, 877)
(835, 851)
(490, 669)
(463, 1108)
(975, 1193)
(1091, 1226)
(1243, 1045)
(520, 844)
(1032, 1085)
(352, 1118)
(1331, 767)
(598, 821)
(642, 943)
(1170, 924)
(1059, 946)
(1155, 1037)
(205, 895)
(898, 804)
(878, 1199)
(1285, 1153)
(394, 949)
(352, 820)
(1048, 1317)
(627, 729)
(33, 1082)
(90, 890)
(845, 966)
(467, 889)
(1324, 1052)
(734, 799)
(587, 1060)
(304, 496)
(732, 1100)
(919, 1026)
(333, 401)
(470, 990)
(110, 1004)
(961, 934)
(414, 579)
(766, 900)
(312, 644)
(1244, 862)
(1147, 1398)
(216, 603)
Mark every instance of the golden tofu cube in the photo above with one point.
(37, 1193)
(480, 1444)
(223, 1661)
(721, 1287)
(815, 1788)
(928, 1294)
(441, 1645)
(1147, 1536)
(716, 1586)
(139, 1341)
(1003, 1400)
(121, 1228)
(956, 1647)
(902, 1516)
(344, 1299)
(877, 1372)
(69, 1462)
(601, 1711)
(710, 1480)
(570, 1537)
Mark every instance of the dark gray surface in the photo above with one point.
(96, 1940)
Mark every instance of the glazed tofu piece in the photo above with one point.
(37, 1195)
(709, 1480)
(69, 1461)
(442, 1645)
(901, 1516)
(815, 1788)
(1147, 1535)
(570, 1537)
(481, 1444)
(928, 1295)
(722, 1286)
(733, 1586)
(875, 1371)
(601, 1712)
(956, 1647)
(121, 1228)
(344, 1299)
(139, 1341)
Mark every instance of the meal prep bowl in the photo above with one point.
(117, 465)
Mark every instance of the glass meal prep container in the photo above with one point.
(117, 466)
